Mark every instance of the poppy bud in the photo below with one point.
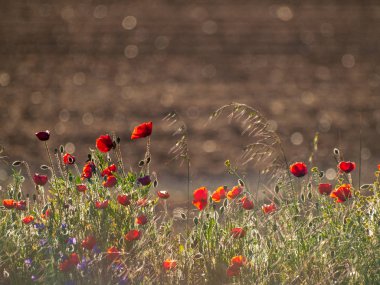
(16, 163)
(141, 163)
(43, 135)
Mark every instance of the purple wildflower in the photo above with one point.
(144, 180)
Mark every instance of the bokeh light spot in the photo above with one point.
(129, 22)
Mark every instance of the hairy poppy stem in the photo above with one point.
(50, 160)
(188, 194)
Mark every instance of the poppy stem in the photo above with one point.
(50, 160)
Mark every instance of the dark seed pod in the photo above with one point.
(310, 224)
(141, 163)
(44, 167)
(241, 183)
(183, 216)
(321, 174)
(19, 195)
(16, 163)
(336, 151)
(118, 140)
(61, 149)
(89, 156)
(277, 189)
(309, 185)
(155, 183)
(195, 220)
(55, 150)
(302, 197)
(309, 195)
(148, 160)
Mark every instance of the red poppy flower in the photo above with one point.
(142, 202)
(378, 167)
(21, 205)
(28, 220)
(133, 235)
(88, 169)
(298, 169)
(46, 215)
(246, 203)
(89, 242)
(342, 193)
(113, 253)
(9, 203)
(347, 166)
(40, 179)
(169, 264)
(74, 258)
(110, 182)
(81, 188)
(238, 260)
(325, 188)
(101, 204)
(142, 131)
(68, 159)
(219, 194)
(233, 270)
(163, 194)
(267, 209)
(104, 143)
(237, 233)
(200, 198)
(110, 170)
(69, 263)
(43, 135)
(234, 192)
(141, 220)
(123, 200)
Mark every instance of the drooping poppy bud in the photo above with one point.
(68, 159)
(163, 194)
(43, 135)
(142, 131)
(347, 166)
(342, 193)
(200, 198)
(298, 169)
(40, 179)
(325, 188)
(104, 143)
(133, 235)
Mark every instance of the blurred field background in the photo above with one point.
(84, 68)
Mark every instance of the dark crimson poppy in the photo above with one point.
(110, 182)
(237, 233)
(101, 204)
(347, 166)
(141, 220)
(104, 143)
(69, 263)
(74, 258)
(113, 253)
(234, 192)
(21, 205)
(88, 169)
(200, 198)
(28, 220)
(133, 235)
(81, 188)
(9, 203)
(68, 159)
(298, 169)
(142, 131)
(267, 209)
(144, 181)
(325, 188)
(238, 260)
(233, 270)
(89, 242)
(163, 194)
(110, 170)
(246, 203)
(40, 179)
(142, 202)
(123, 200)
(219, 194)
(342, 193)
(43, 135)
(169, 264)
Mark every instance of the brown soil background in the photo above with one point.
(84, 68)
